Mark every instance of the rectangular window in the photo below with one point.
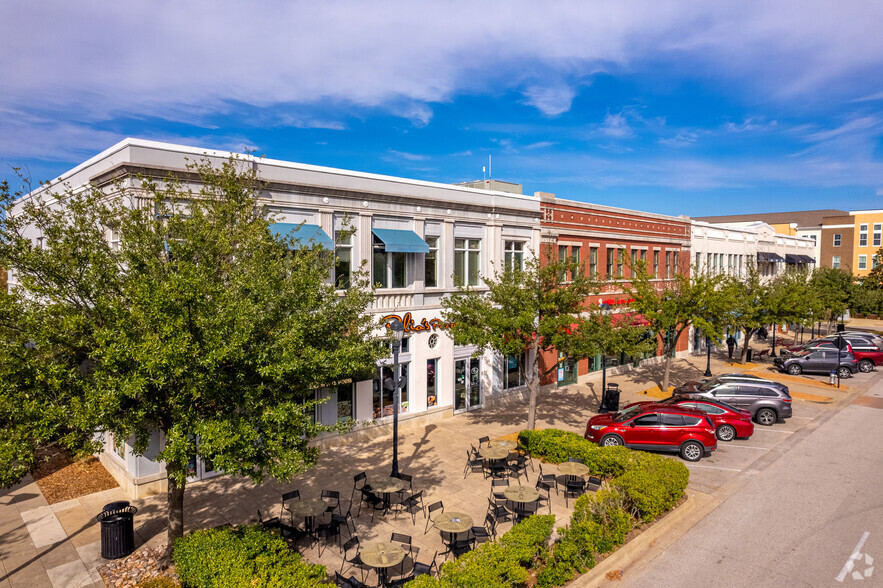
(384, 391)
(119, 446)
(611, 256)
(655, 264)
(675, 265)
(620, 262)
(343, 259)
(593, 262)
(836, 239)
(863, 235)
(514, 255)
(668, 264)
(862, 262)
(562, 259)
(835, 262)
(698, 259)
(512, 378)
(345, 405)
(115, 239)
(467, 258)
(430, 263)
(634, 260)
(878, 229)
(574, 257)
(431, 371)
(389, 268)
(644, 256)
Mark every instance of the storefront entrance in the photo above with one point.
(467, 384)
(567, 372)
(198, 468)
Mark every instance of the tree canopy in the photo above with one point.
(167, 309)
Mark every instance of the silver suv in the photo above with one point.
(768, 402)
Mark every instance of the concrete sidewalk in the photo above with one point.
(59, 546)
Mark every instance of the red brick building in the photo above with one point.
(605, 239)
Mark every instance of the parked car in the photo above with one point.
(868, 359)
(729, 422)
(733, 377)
(819, 361)
(768, 402)
(823, 343)
(689, 432)
(858, 342)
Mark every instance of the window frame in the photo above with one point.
(863, 235)
(838, 238)
(877, 234)
(466, 254)
(862, 262)
(433, 256)
(339, 246)
(513, 251)
(835, 262)
(390, 266)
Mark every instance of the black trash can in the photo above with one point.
(748, 354)
(117, 529)
(612, 394)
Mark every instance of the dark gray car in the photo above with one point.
(819, 361)
(768, 402)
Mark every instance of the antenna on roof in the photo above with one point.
(483, 174)
(490, 170)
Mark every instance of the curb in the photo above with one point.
(646, 546)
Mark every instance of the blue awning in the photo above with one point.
(305, 235)
(398, 241)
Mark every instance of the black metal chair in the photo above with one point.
(356, 560)
(483, 440)
(474, 463)
(576, 460)
(459, 544)
(487, 532)
(351, 582)
(573, 486)
(405, 540)
(420, 569)
(270, 523)
(550, 479)
(525, 509)
(329, 530)
(293, 495)
(360, 482)
(398, 497)
(499, 496)
(498, 510)
(543, 487)
(372, 500)
(429, 510)
(593, 481)
(333, 500)
(413, 504)
(517, 465)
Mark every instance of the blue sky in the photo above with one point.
(678, 107)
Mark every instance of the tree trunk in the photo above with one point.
(667, 372)
(743, 355)
(175, 516)
(532, 388)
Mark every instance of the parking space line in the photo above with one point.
(804, 418)
(773, 431)
(693, 465)
(749, 447)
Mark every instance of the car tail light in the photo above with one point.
(786, 399)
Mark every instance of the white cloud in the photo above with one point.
(750, 125)
(408, 156)
(550, 99)
(616, 126)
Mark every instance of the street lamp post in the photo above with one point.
(398, 330)
(840, 328)
(605, 309)
(708, 357)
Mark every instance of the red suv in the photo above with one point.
(730, 422)
(657, 428)
(868, 359)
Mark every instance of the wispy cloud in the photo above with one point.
(616, 126)
(408, 156)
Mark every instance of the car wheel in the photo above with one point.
(766, 416)
(865, 366)
(692, 451)
(795, 369)
(843, 372)
(610, 441)
(726, 433)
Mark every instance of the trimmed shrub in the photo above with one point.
(556, 446)
(652, 484)
(234, 557)
(504, 563)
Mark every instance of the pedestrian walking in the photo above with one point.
(731, 345)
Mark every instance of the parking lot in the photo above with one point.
(813, 397)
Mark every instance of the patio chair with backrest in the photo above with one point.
(332, 498)
(550, 479)
(474, 463)
(413, 504)
(360, 482)
(576, 460)
(547, 498)
(573, 486)
(498, 510)
(269, 523)
(483, 440)
(593, 481)
(498, 495)
(329, 530)
(460, 544)
(288, 496)
(517, 465)
(356, 559)
(399, 497)
(525, 509)
(346, 519)
(431, 509)
(372, 500)
(405, 540)
(420, 569)
(487, 532)
(351, 582)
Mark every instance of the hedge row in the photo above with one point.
(642, 486)
(504, 563)
(235, 557)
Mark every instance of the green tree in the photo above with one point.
(832, 289)
(690, 298)
(874, 279)
(166, 310)
(524, 313)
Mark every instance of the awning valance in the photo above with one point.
(801, 259)
(305, 235)
(768, 257)
(400, 241)
(808, 258)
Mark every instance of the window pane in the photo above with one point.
(345, 402)
(431, 263)
(473, 267)
(379, 267)
(459, 268)
(431, 398)
(398, 269)
(342, 265)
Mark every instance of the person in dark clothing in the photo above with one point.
(731, 345)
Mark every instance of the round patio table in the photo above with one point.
(387, 486)
(452, 523)
(573, 468)
(502, 443)
(495, 453)
(382, 555)
(308, 508)
(521, 494)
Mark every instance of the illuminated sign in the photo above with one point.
(411, 327)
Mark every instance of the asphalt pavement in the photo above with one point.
(808, 512)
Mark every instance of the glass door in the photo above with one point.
(566, 370)
(199, 468)
(467, 384)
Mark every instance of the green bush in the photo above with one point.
(235, 557)
(652, 484)
(499, 564)
(556, 446)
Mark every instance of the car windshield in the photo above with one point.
(710, 385)
(627, 413)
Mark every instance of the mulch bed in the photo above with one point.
(60, 477)
(129, 571)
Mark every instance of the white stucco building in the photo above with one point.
(415, 237)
